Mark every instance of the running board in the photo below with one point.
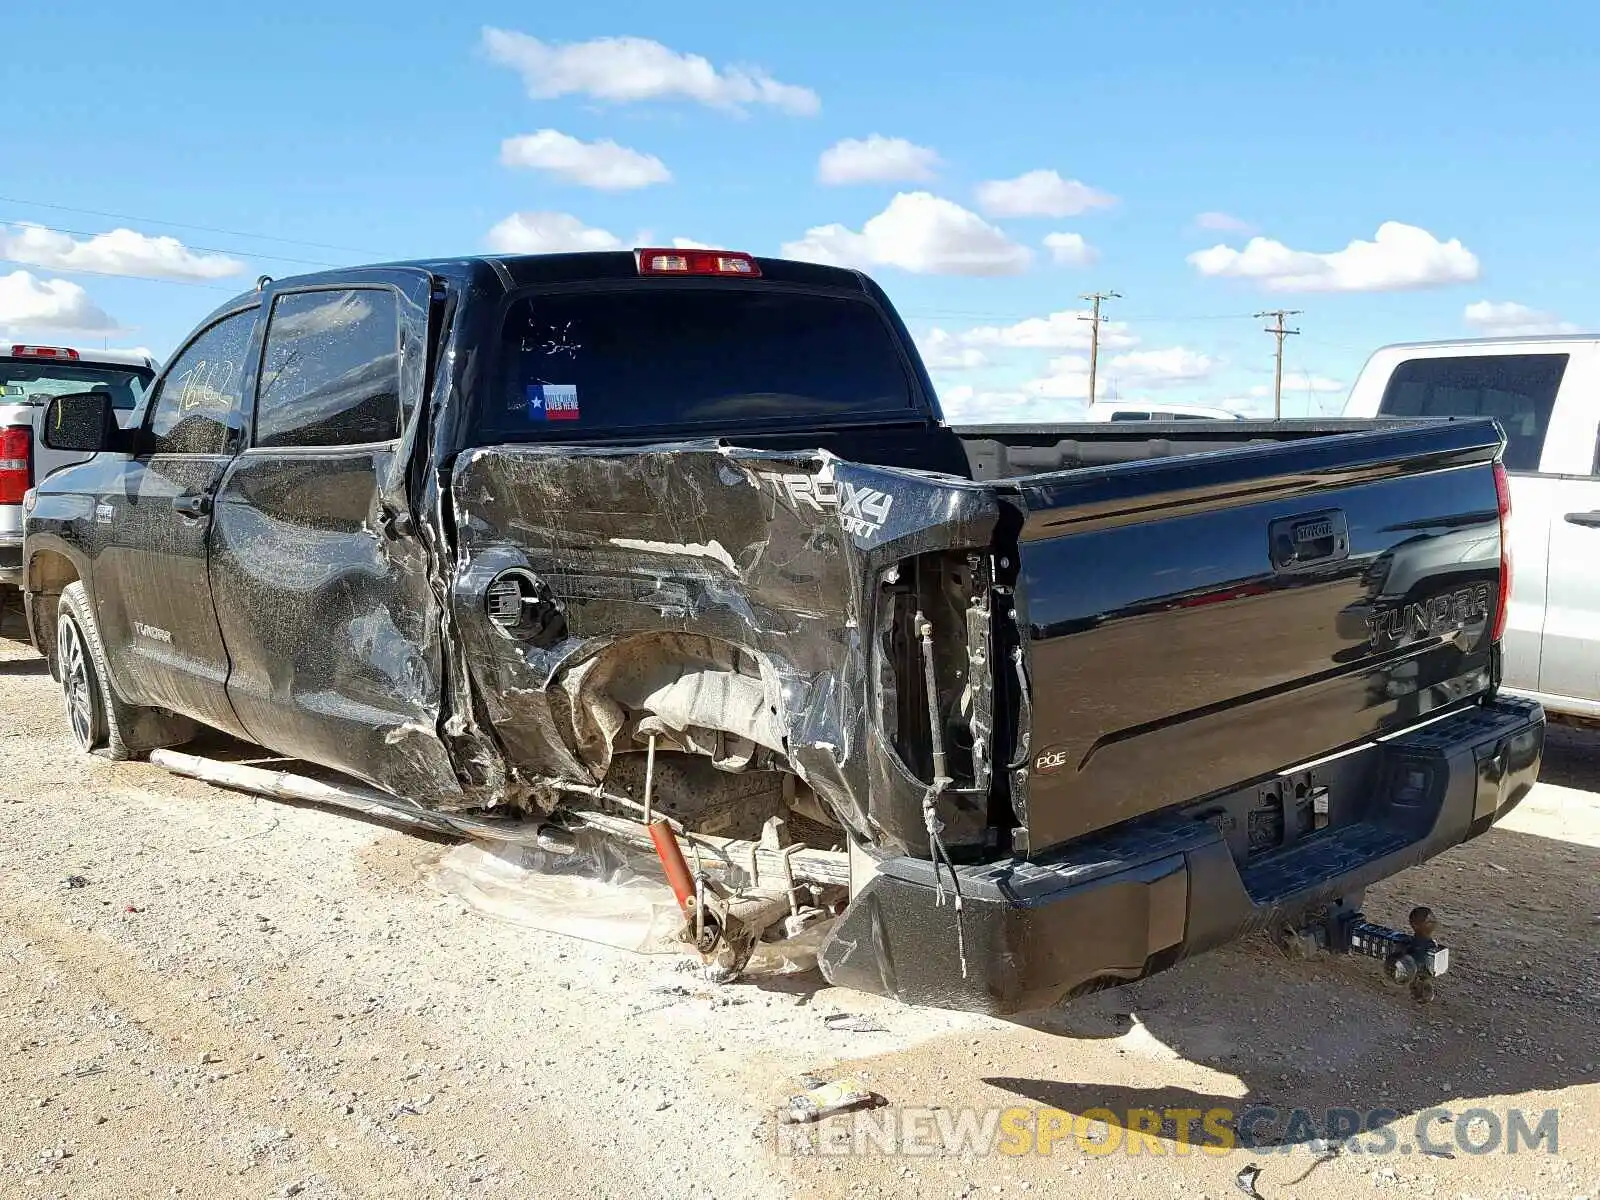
(718, 856)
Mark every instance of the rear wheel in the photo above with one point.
(98, 720)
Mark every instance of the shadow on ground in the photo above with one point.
(1515, 1015)
(1572, 758)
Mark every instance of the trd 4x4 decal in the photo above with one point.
(862, 510)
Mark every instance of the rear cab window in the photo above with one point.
(31, 381)
(1518, 390)
(688, 360)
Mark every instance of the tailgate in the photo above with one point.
(1193, 623)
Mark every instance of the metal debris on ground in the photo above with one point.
(853, 1023)
(1245, 1180)
(842, 1095)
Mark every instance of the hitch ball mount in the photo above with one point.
(1413, 958)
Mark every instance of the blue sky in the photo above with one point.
(364, 131)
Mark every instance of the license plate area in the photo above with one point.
(1291, 809)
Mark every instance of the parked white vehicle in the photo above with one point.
(29, 376)
(1112, 411)
(1545, 392)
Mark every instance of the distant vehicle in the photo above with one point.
(1111, 411)
(1545, 392)
(29, 377)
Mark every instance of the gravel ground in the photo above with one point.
(204, 993)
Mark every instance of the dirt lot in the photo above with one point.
(208, 994)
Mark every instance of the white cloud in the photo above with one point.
(1159, 368)
(548, 233)
(1040, 194)
(1065, 378)
(120, 252)
(28, 302)
(965, 404)
(629, 69)
(1400, 257)
(603, 164)
(1221, 222)
(920, 233)
(944, 351)
(1509, 319)
(1300, 383)
(1070, 250)
(683, 243)
(1065, 330)
(876, 159)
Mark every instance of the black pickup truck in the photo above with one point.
(513, 537)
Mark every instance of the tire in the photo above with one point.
(99, 722)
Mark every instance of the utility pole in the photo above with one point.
(1278, 331)
(1095, 298)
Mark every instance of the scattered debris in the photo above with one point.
(853, 1023)
(75, 881)
(1245, 1180)
(842, 1095)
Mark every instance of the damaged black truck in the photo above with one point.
(679, 540)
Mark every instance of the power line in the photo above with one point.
(260, 237)
(1094, 333)
(1279, 332)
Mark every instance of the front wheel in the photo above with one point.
(85, 714)
(98, 720)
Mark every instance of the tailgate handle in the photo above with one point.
(1310, 540)
(1589, 519)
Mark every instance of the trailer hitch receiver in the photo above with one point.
(1413, 958)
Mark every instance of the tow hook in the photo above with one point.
(1414, 959)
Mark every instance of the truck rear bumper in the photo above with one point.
(1130, 902)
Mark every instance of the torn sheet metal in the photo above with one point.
(715, 597)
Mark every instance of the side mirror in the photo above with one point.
(83, 421)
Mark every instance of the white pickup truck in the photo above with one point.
(1545, 392)
(29, 376)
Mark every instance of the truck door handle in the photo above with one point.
(1589, 519)
(194, 506)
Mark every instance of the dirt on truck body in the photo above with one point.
(684, 532)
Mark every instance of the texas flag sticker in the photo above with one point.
(553, 402)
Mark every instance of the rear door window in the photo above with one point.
(1518, 390)
(330, 375)
(687, 358)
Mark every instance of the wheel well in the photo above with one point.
(49, 573)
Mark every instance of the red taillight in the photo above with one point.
(61, 352)
(696, 262)
(16, 462)
(1502, 607)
